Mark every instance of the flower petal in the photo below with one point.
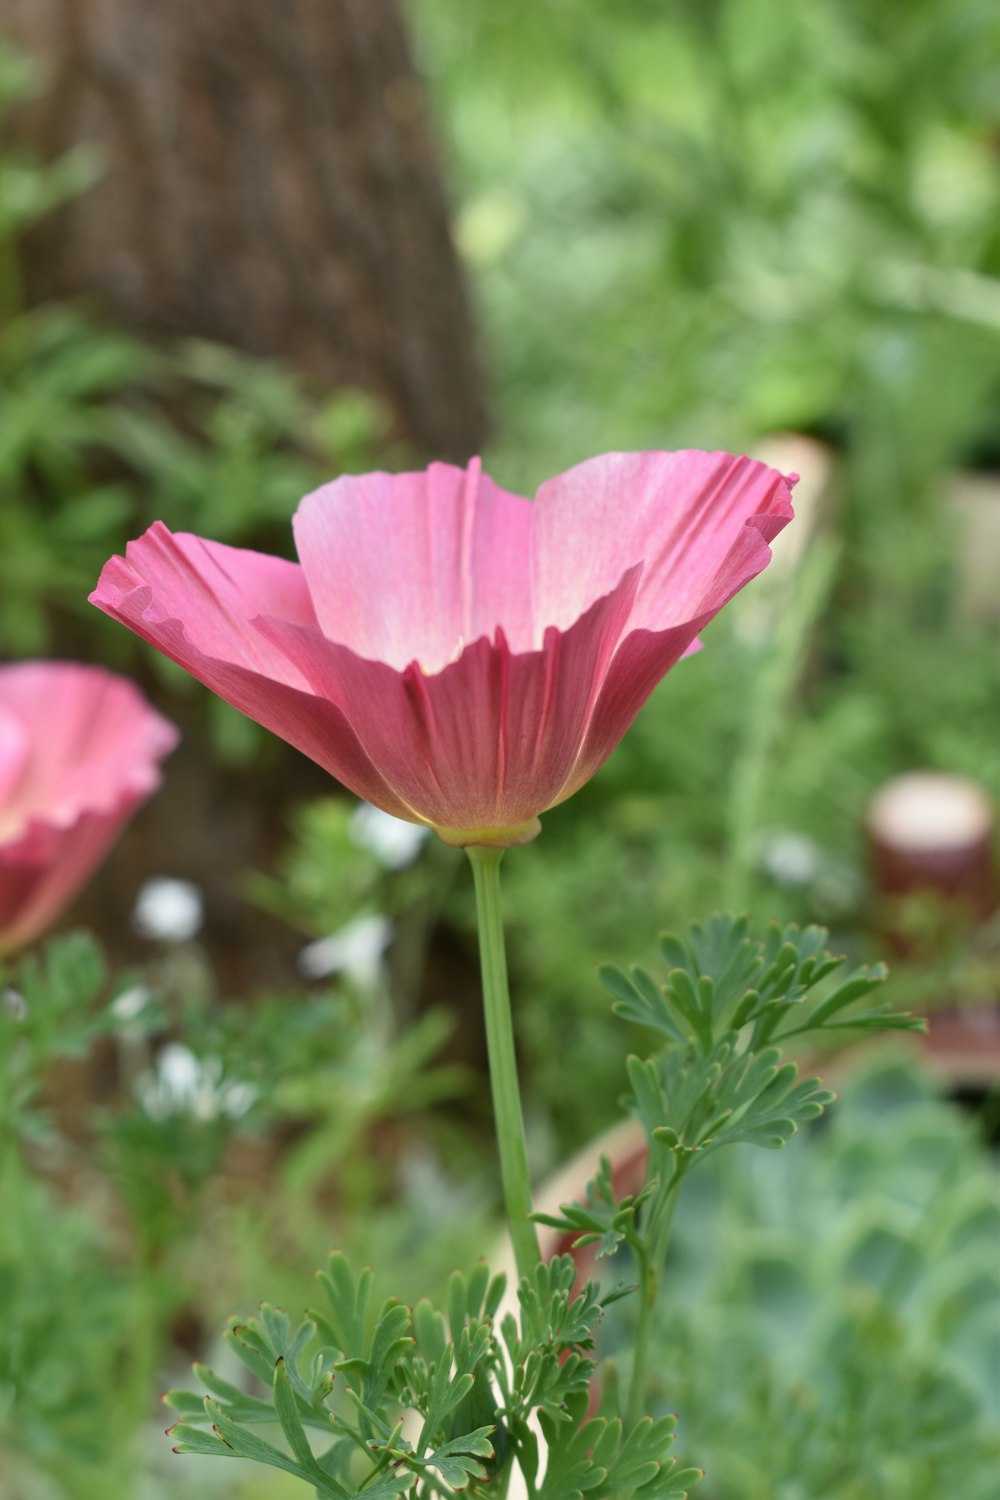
(101, 743)
(445, 554)
(88, 755)
(451, 652)
(193, 601)
(43, 870)
(683, 515)
(216, 590)
(14, 746)
(489, 741)
(645, 656)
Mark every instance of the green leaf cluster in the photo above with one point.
(605, 1219)
(382, 1401)
(729, 999)
(48, 1010)
(724, 981)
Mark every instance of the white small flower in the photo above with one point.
(130, 1004)
(14, 1004)
(356, 950)
(789, 858)
(167, 910)
(238, 1099)
(171, 1087)
(179, 1072)
(183, 1084)
(394, 842)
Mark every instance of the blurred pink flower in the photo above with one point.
(78, 752)
(457, 655)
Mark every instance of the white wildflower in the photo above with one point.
(168, 910)
(356, 950)
(394, 842)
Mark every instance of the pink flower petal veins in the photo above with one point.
(688, 517)
(207, 626)
(214, 589)
(727, 526)
(489, 740)
(454, 654)
(414, 567)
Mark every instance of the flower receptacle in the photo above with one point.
(491, 838)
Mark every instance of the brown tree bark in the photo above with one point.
(271, 181)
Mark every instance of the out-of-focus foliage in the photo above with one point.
(678, 817)
(103, 434)
(27, 190)
(132, 1221)
(695, 222)
(851, 1287)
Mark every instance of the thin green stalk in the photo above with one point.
(649, 1282)
(650, 1255)
(772, 694)
(503, 1064)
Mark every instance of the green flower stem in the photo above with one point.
(650, 1253)
(503, 1064)
(649, 1285)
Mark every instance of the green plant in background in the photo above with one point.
(730, 1000)
(681, 218)
(28, 190)
(78, 1350)
(852, 1287)
(337, 866)
(123, 1217)
(56, 372)
(79, 1340)
(184, 430)
(46, 1013)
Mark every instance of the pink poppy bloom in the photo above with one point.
(78, 752)
(457, 655)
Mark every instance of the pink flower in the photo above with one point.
(78, 752)
(457, 655)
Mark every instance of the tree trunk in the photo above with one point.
(270, 182)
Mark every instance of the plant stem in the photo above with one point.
(771, 692)
(650, 1255)
(503, 1064)
(648, 1290)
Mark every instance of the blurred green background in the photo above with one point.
(708, 224)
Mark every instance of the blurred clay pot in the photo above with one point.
(931, 842)
(931, 852)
